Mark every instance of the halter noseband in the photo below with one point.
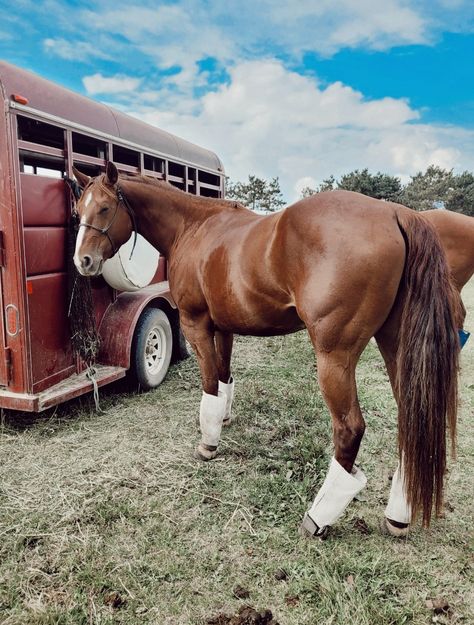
(131, 213)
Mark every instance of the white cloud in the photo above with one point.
(330, 25)
(74, 50)
(271, 121)
(185, 33)
(98, 84)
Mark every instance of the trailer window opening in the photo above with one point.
(153, 163)
(208, 178)
(210, 192)
(175, 169)
(192, 180)
(125, 156)
(41, 165)
(82, 144)
(39, 132)
(89, 170)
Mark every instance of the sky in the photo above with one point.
(299, 90)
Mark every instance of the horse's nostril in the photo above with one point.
(86, 262)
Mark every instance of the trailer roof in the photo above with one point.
(48, 97)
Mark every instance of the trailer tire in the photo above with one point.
(152, 347)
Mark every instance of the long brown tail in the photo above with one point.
(427, 365)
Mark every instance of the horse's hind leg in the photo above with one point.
(224, 343)
(336, 374)
(397, 513)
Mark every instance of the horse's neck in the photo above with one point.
(163, 213)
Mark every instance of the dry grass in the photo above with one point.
(107, 518)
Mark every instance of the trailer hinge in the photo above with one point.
(2, 250)
(8, 364)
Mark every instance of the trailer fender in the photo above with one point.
(118, 323)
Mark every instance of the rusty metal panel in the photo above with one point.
(45, 250)
(14, 372)
(43, 200)
(51, 352)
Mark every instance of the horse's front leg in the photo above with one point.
(213, 403)
(224, 343)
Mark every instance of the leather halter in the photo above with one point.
(131, 213)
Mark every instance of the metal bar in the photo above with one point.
(38, 148)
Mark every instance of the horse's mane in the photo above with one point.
(163, 184)
(154, 182)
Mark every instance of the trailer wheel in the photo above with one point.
(152, 347)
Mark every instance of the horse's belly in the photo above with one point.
(260, 317)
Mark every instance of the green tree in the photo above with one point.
(326, 185)
(461, 197)
(425, 190)
(257, 193)
(380, 186)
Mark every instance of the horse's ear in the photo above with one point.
(111, 174)
(83, 179)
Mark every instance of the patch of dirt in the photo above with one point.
(245, 616)
(361, 526)
(241, 593)
(280, 575)
(292, 600)
(439, 605)
(114, 600)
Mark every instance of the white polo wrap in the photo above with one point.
(211, 416)
(228, 391)
(397, 508)
(336, 493)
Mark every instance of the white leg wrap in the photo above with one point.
(211, 417)
(228, 391)
(336, 493)
(397, 508)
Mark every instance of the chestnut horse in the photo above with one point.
(344, 266)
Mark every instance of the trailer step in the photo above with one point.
(71, 387)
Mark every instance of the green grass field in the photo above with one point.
(107, 518)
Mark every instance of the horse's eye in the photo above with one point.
(104, 209)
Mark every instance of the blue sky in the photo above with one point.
(296, 90)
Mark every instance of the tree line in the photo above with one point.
(434, 188)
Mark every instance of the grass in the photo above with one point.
(107, 518)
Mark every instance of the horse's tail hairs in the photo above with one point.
(427, 365)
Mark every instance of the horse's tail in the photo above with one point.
(427, 365)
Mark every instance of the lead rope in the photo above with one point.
(84, 338)
(91, 375)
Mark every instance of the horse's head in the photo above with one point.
(106, 221)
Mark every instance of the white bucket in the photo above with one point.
(130, 274)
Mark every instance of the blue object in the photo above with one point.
(463, 336)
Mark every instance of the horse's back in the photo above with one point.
(456, 232)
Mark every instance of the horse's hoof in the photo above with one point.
(205, 452)
(309, 529)
(389, 528)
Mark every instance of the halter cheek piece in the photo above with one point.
(131, 213)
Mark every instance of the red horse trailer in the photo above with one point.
(44, 131)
